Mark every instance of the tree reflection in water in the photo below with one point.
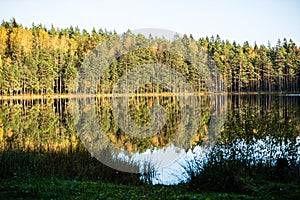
(259, 130)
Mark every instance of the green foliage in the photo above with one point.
(39, 61)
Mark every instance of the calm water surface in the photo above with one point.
(251, 128)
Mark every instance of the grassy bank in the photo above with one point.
(53, 188)
(61, 176)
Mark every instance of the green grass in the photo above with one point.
(53, 188)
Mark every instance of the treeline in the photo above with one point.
(40, 61)
(256, 68)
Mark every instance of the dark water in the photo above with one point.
(256, 129)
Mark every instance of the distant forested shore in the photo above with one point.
(38, 61)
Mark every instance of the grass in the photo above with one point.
(68, 189)
(73, 166)
(52, 176)
(53, 188)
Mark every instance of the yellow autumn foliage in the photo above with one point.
(43, 41)
(8, 61)
(3, 40)
(9, 133)
(73, 46)
(252, 53)
(64, 43)
(1, 130)
(0, 64)
(21, 40)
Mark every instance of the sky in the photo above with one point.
(259, 21)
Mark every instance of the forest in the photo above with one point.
(45, 143)
(36, 60)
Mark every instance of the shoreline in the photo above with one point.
(110, 95)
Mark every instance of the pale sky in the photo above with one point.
(239, 20)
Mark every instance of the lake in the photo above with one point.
(163, 136)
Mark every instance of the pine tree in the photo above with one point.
(280, 68)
